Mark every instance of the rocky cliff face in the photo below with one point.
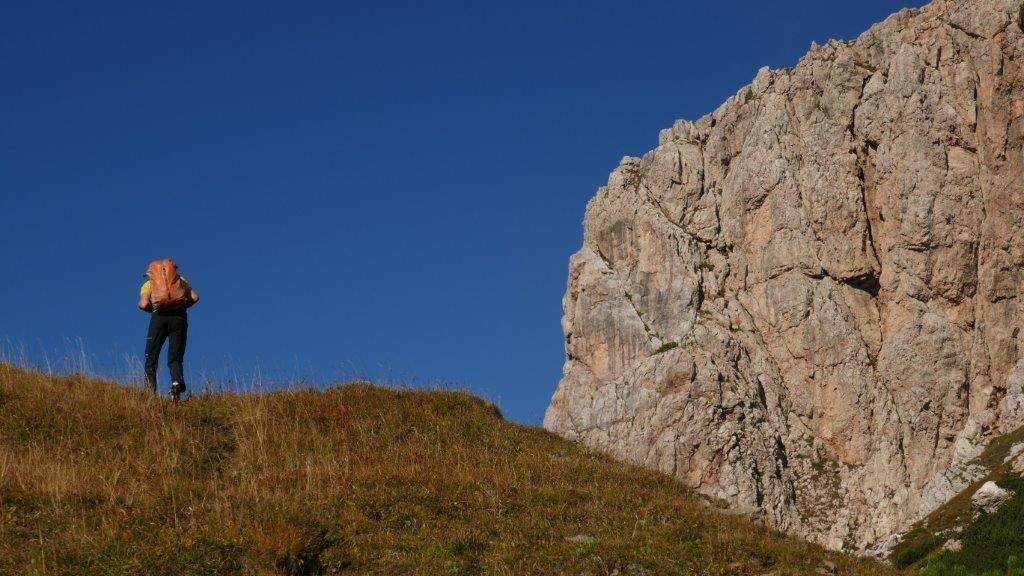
(807, 303)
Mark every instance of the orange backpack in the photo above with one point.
(168, 291)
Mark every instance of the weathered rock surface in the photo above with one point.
(990, 497)
(1016, 458)
(953, 545)
(807, 303)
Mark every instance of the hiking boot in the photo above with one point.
(176, 390)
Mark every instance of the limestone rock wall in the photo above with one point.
(807, 303)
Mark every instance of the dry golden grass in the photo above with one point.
(96, 478)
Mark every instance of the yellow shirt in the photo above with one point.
(147, 287)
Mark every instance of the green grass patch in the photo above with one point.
(665, 348)
(918, 548)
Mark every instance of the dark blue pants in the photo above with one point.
(172, 326)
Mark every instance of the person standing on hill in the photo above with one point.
(167, 296)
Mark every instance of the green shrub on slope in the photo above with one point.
(993, 543)
(928, 535)
(939, 566)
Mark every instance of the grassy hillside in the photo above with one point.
(96, 478)
(993, 544)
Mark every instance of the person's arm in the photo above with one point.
(145, 304)
(144, 293)
(193, 296)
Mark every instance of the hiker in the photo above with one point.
(167, 295)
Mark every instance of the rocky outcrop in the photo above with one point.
(807, 302)
(990, 497)
(1014, 458)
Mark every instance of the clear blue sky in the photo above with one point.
(399, 184)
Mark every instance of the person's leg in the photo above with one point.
(176, 350)
(154, 342)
